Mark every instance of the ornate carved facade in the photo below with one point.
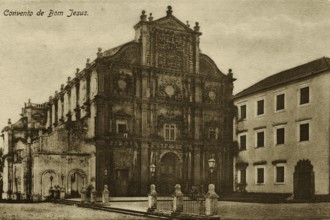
(163, 103)
(155, 100)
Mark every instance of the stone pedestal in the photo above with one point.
(152, 199)
(177, 199)
(83, 195)
(105, 195)
(51, 193)
(211, 201)
(62, 193)
(36, 197)
(93, 196)
(57, 193)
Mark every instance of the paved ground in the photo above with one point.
(49, 211)
(239, 210)
(227, 210)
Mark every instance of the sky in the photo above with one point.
(255, 38)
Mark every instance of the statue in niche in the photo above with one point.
(123, 83)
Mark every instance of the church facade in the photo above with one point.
(156, 101)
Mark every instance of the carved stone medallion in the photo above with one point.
(212, 95)
(122, 84)
(169, 90)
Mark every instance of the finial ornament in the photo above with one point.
(188, 25)
(87, 63)
(150, 17)
(143, 16)
(169, 10)
(230, 73)
(99, 52)
(197, 27)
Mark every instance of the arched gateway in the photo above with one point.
(170, 173)
(76, 180)
(303, 186)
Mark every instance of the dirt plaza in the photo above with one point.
(227, 210)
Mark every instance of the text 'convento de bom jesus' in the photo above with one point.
(51, 13)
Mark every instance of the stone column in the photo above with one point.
(144, 167)
(177, 200)
(211, 201)
(152, 199)
(105, 195)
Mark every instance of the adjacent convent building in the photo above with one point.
(283, 132)
(156, 100)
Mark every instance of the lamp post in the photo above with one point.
(211, 163)
(152, 171)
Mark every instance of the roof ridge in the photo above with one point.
(304, 70)
(327, 61)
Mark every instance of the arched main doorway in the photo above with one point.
(170, 173)
(303, 186)
(76, 180)
(48, 179)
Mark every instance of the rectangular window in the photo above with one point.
(260, 175)
(242, 142)
(121, 128)
(243, 111)
(280, 136)
(280, 174)
(280, 102)
(260, 139)
(304, 132)
(304, 95)
(260, 107)
(169, 132)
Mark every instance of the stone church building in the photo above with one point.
(154, 101)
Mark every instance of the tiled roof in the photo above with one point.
(295, 73)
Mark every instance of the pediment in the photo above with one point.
(172, 23)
